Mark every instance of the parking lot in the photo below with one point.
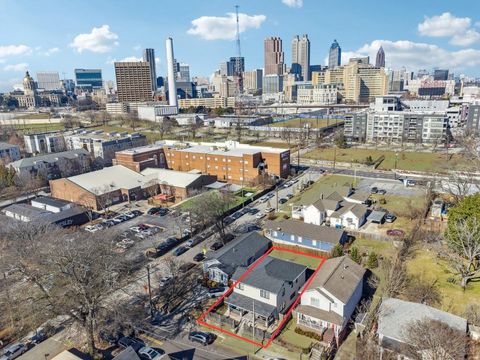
(392, 187)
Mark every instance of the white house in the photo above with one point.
(267, 290)
(331, 297)
(319, 211)
(349, 216)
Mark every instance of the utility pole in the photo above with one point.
(253, 325)
(149, 291)
(334, 156)
(276, 193)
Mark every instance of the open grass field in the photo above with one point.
(307, 261)
(33, 116)
(313, 123)
(28, 128)
(415, 161)
(400, 205)
(425, 263)
(281, 145)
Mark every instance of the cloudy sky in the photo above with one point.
(61, 35)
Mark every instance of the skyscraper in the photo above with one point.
(183, 73)
(134, 81)
(49, 81)
(274, 57)
(301, 57)
(232, 66)
(89, 78)
(380, 60)
(149, 56)
(335, 55)
(438, 74)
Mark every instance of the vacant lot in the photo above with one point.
(313, 123)
(425, 264)
(416, 161)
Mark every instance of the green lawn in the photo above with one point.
(38, 127)
(308, 261)
(416, 161)
(313, 123)
(289, 335)
(400, 205)
(33, 116)
(425, 263)
(348, 350)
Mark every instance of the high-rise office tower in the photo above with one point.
(438, 74)
(301, 57)
(183, 73)
(335, 55)
(134, 81)
(232, 66)
(380, 60)
(223, 68)
(274, 57)
(49, 81)
(252, 80)
(89, 78)
(172, 86)
(149, 56)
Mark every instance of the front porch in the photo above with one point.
(251, 312)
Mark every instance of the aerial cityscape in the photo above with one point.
(276, 179)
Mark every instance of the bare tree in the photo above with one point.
(423, 291)
(70, 274)
(396, 277)
(435, 340)
(463, 240)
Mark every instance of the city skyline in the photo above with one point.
(415, 37)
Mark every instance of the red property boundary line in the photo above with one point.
(201, 319)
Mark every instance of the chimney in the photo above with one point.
(172, 86)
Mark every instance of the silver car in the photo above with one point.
(14, 351)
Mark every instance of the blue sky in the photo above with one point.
(61, 35)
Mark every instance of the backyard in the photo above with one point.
(414, 161)
(313, 123)
(308, 261)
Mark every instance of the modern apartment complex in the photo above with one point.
(322, 94)
(8, 153)
(388, 121)
(215, 102)
(47, 142)
(104, 145)
(134, 81)
(229, 161)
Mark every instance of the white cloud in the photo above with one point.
(99, 40)
(14, 50)
(125, 59)
(416, 56)
(293, 3)
(16, 67)
(51, 51)
(9, 84)
(224, 27)
(459, 30)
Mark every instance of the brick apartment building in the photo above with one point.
(138, 159)
(229, 161)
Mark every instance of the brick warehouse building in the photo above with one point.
(138, 159)
(229, 161)
(112, 185)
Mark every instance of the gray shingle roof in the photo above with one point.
(48, 158)
(239, 252)
(51, 201)
(339, 276)
(6, 146)
(127, 354)
(313, 232)
(270, 274)
(396, 315)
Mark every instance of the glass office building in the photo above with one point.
(88, 78)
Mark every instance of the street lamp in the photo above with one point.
(395, 168)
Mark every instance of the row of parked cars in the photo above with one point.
(106, 223)
(15, 350)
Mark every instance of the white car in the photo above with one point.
(260, 215)
(135, 229)
(151, 354)
(269, 210)
(93, 228)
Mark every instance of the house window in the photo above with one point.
(314, 242)
(240, 286)
(216, 159)
(193, 157)
(216, 167)
(229, 160)
(275, 233)
(201, 157)
(299, 239)
(292, 237)
(264, 294)
(173, 161)
(223, 159)
(208, 158)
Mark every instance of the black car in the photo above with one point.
(153, 210)
(204, 338)
(162, 212)
(135, 343)
(136, 212)
(216, 245)
(374, 190)
(228, 220)
(180, 250)
(228, 237)
(381, 191)
(199, 257)
(283, 200)
(253, 211)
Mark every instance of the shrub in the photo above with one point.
(382, 201)
(337, 251)
(372, 260)
(354, 255)
(310, 334)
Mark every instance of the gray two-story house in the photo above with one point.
(219, 266)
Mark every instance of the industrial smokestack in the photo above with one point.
(172, 86)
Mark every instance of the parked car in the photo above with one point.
(253, 211)
(216, 292)
(390, 218)
(374, 190)
(147, 353)
(260, 216)
(36, 337)
(136, 212)
(165, 281)
(269, 210)
(93, 228)
(180, 250)
(228, 220)
(194, 241)
(289, 196)
(135, 343)
(14, 351)
(162, 212)
(216, 245)
(204, 338)
(246, 228)
(282, 200)
(110, 337)
(381, 191)
(199, 257)
(185, 267)
(130, 215)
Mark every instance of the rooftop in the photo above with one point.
(140, 150)
(49, 158)
(170, 177)
(339, 276)
(396, 315)
(6, 146)
(46, 200)
(309, 231)
(231, 148)
(270, 274)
